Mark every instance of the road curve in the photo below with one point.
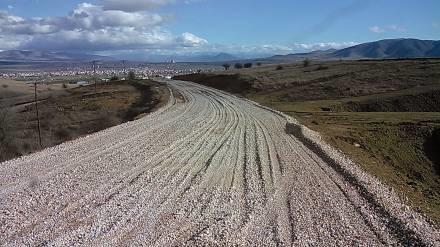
(207, 169)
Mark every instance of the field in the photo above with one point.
(383, 114)
(67, 111)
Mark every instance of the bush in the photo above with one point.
(248, 65)
(114, 78)
(226, 66)
(279, 67)
(62, 134)
(238, 66)
(64, 85)
(259, 64)
(306, 62)
(322, 67)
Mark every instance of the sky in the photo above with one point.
(244, 27)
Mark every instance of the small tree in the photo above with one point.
(226, 66)
(248, 65)
(131, 75)
(238, 66)
(306, 62)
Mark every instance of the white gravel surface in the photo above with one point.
(211, 170)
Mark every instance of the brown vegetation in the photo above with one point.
(384, 114)
(75, 112)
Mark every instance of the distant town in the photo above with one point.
(47, 72)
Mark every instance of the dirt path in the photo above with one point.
(211, 169)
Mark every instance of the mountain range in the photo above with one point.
(382, 49)
(43, 56)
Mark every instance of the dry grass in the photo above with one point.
(392, 145)
(75, 112)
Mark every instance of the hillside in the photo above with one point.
(391, 48)
(382, 49)
(383, 114)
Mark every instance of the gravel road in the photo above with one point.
(207, 169)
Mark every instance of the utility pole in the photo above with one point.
(38, 115)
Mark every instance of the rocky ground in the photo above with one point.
(209, 168)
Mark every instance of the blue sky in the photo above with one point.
(186, 26)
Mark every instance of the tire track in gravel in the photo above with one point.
(211, 170)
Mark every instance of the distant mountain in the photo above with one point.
(382, 49)
(392, 48)
(42, 56)
(300, 56)
(200, 57)
(220, 57)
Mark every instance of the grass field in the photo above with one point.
(383, 114)
(67, 112)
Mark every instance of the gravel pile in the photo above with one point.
(211, 170)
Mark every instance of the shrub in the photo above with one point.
(322, 67)
(114, 78)
(5, 86)
(306, 62)
(226, 66)
(259, 64)
(279, 67)
(62, 134)
(248, 65)
(64, 85)
(238, 66)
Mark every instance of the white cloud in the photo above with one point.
(376, 29)
(267, 49)
(394, 27)
(133, 5)
(96, 28)
(324, 45)
(190, 40)
(90, 27)
(387, 28)
(436, 24)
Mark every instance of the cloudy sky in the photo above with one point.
(247, 27)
